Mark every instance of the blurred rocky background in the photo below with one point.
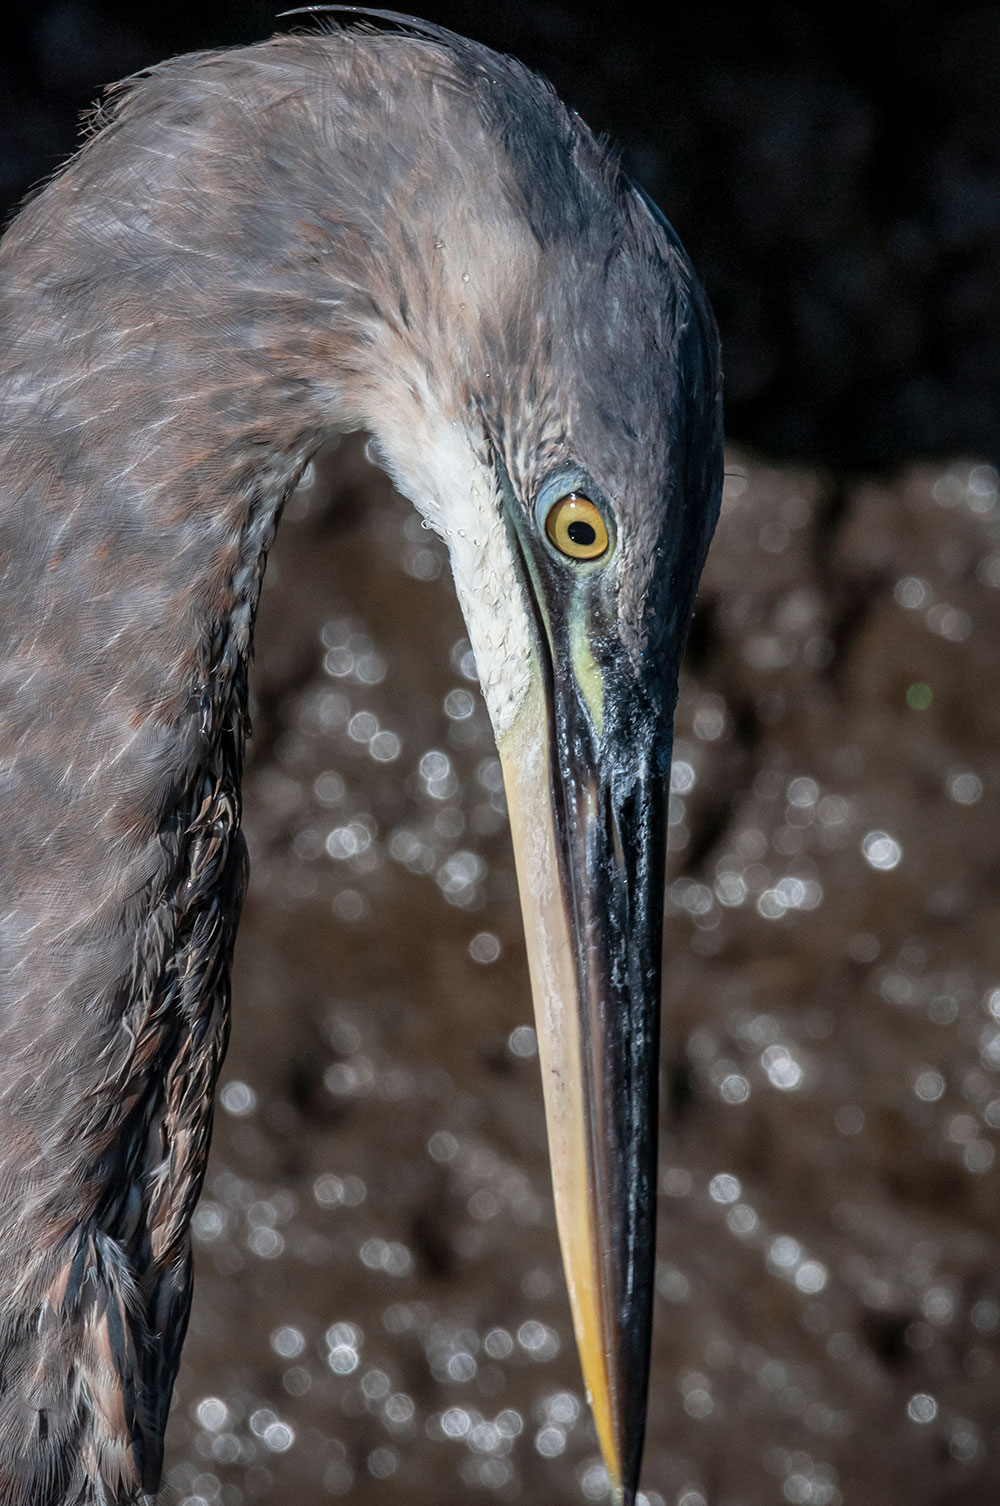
(380, 1311)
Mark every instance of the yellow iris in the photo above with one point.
(575, 526)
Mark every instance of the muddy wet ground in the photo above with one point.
(380, 1313)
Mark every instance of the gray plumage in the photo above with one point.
(256, 248)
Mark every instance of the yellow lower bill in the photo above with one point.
(525, 757)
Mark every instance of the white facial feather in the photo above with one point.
(436, 464)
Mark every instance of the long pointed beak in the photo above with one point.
(589, 849)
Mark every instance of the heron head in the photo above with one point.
(560, 427)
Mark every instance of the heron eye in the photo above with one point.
(575, 527)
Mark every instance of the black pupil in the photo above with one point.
(583, 534)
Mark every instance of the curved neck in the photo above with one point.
(203, 295)
(207, 292)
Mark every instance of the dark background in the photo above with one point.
(834, 170)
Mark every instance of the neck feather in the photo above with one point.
(191, 308)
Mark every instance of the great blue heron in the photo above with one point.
(401, 232)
